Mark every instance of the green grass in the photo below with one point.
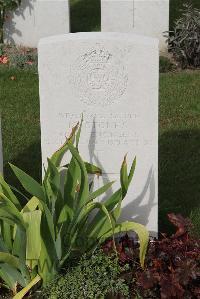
(19, 105)
(86, 14)
(179, 142)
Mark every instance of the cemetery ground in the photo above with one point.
(179, 164)
(171, 263)
(179, 184)
(179, 135)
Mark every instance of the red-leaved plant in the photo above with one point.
(172, 268)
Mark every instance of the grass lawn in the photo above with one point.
(86, 14)
(19, 103)
(179, 153)
(179, 144)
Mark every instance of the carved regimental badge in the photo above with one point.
(99, 77)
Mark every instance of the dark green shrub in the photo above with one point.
(165, 65)
(94, 277)
(184, 40)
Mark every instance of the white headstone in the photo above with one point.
(112, 78)
(146, 17)
(35, 19)
(1, 151)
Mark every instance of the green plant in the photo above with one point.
(1, 49)
(96, 276)
(184, 40)
(26, 61)
(165, 65)
(172, 267)
(17, 57)
(195, 218)
(5, 6)
(55, 226)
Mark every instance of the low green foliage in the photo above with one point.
(19, 57)
(37, 239)
(195, 218)
(23, 61)
(184, 40)
(165, 65)
(94, 277)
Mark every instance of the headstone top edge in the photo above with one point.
(51, 1)
(82, 36)
(135, 0)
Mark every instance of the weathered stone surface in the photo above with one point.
(146, 17)
(35, 19)
(112, 78)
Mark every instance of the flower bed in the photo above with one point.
(18, 57)
(172, 270)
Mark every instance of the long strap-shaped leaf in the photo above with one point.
(84, 187)
(11, 277)
(86, 210)
(19, 250)
(58, 155)
(33, 238)
(72, 180)
(3, 246)
(5, 189)
(48, 257)
(124, 179)
(139, 229)
(29, 184)
(53, 190)
(99, 223)
(9, 212)
(6, 233)
(79, 132)
(9, 259)
(25, 290)
(100, 191)
(99, 220)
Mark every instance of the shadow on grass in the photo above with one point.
(179, 174)
(30, 162)
(85, 15)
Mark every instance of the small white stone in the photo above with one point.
(112, 78)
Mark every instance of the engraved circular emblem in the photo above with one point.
(99, 77)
